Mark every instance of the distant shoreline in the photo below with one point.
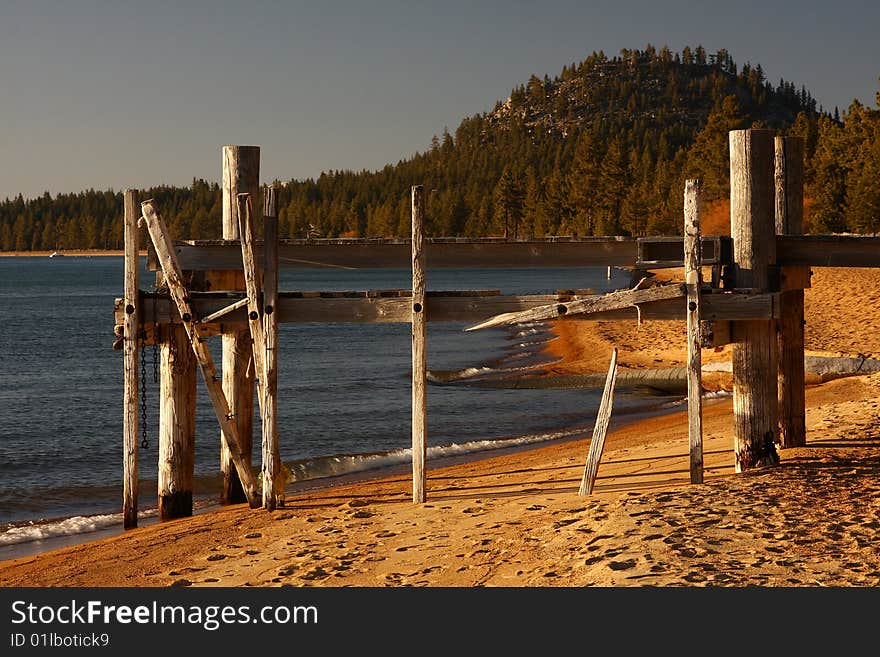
(71, 252)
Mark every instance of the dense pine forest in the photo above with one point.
(601, 149)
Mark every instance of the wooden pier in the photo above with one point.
(229, 287)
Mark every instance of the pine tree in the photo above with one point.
(509, 196)
(709, 157)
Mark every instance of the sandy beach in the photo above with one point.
(516, 520)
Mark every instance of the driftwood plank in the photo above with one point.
(419, 347)
(597, 444)
(610, 301)
(173, 277)
(693, 273)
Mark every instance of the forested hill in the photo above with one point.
(603, 148)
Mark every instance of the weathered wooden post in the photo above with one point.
(694, 281)
(131, 391)
(241, 173)
(177, 423)
(272, 480)
(752, 228)
(419, 347)
(790, 221)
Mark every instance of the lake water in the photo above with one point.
(344, 392)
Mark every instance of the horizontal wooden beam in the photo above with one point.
(828, 250)
(441, 307)
(353, 253)
(656, 252)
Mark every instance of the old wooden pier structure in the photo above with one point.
(229, 287)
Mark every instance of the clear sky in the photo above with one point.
(123, 93)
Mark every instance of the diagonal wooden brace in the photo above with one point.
(179, 294)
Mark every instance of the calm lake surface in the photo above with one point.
(344, 393)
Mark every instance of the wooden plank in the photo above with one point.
(200, 255)
(419, 347)
(253, 287)
(177, 424)
(720, 307)
(213, 317)
(597, 444)
(173, 276)
(790, 221)
(241, 174)
(610, 301)
(752, 226)
(828, 250)
(693, 272)
(130, 322)
(273, 483)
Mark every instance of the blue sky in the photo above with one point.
(116, 94)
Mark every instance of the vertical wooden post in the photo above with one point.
(693, 273)
(754, 250)
(130, 350)
(177, 424)
(419, 347)
(603, 417)
(241, 173)
(253, 278)
(273, 493)
(790, 221)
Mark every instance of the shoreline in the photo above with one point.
(207, 503)
(77, 253)
(515, 519)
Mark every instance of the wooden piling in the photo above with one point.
(273, 483)
(600, 429)
(419, 347)
(241, 173)
(694, 281)
(752, 228)
(177, 423)
(130, 349)
(790, 221)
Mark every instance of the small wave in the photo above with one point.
(43, 530)
(470, 373)
(445, 376)
(331, 466)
